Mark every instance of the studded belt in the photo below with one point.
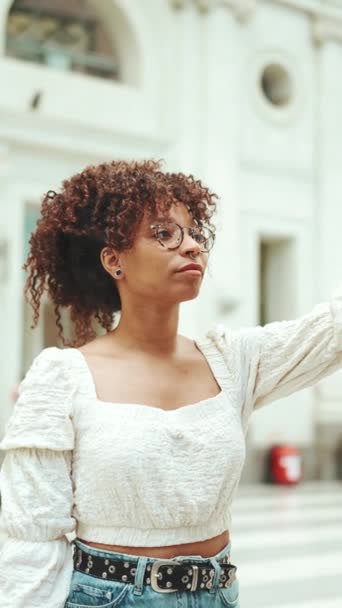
(163, 575)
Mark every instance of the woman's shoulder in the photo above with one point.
(52, 375)
(235, 345)
(56, 360)
(49, 354)
(50, 361)
(41, 416)
(220, 333)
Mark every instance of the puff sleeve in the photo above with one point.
(287, 356)
(36, 488)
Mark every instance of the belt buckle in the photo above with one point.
(155, 572)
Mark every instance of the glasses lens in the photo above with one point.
(204, 237)
(169, 234)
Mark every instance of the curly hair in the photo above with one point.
(101, 206)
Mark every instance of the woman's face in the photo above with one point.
(152, 271)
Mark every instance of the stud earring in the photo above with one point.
(118, 273)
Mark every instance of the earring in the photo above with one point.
(118, 273)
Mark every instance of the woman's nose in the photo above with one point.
(191, 245)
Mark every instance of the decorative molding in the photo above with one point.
(177, 3)
(324, 29)
(243, 10)
(325, 8)
(326, 17)
(204, 5)
(281, 115)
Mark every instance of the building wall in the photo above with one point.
(191, 94)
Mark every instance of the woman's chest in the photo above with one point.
(153, 383)
(127, 437)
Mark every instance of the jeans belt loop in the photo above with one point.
(139, 575)
(216, 576)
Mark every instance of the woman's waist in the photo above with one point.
(203, 548)
(204, 537)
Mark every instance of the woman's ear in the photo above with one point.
(110, 260)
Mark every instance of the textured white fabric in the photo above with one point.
(132, 474)
(36, 489)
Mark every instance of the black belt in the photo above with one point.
(163, 575)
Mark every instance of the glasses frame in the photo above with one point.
(190, 230)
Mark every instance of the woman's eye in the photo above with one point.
(199, 237)
(164, 234)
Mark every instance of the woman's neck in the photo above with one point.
(150, 330)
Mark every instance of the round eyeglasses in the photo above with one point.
(171, 235)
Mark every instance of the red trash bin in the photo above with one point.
(286, 464)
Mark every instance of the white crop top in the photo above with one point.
(135, 475)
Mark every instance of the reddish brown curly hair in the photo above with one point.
(101, 206)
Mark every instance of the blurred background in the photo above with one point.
(246, 95)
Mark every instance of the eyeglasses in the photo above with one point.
(170, 235)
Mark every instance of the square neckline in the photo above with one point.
(198, 404)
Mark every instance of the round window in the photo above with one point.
(276, 84)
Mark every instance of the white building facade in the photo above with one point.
(246, 95)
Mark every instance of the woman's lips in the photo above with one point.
(194, 268)
(191, 272)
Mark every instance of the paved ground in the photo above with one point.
(287, 544)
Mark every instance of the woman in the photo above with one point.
(134, 439)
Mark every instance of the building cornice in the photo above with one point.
(41, 132)
(243, 10)
(326, 15)
(331, 9)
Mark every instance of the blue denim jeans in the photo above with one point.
(87, 591)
